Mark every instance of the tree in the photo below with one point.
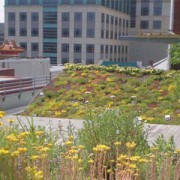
(175, 56)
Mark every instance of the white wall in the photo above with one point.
(28, 67)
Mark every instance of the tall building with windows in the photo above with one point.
(149, 16)
(75, 31)
(1, 33)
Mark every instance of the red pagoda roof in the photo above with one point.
(10, 48)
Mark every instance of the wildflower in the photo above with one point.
(70, 138)
(68, 143)
(101, 148)
(90, 161)
(109, 171)
(15, 153)
(10, 121)
(177, 151)
(50, 145)
(130, 145)
(133, 166)
(135, 158)
(79, 161)
(4, 151)
(2, 113)
(24, 134)
(122, 157)
(117, 143)
(81, 147)
(143, 160)
(75, 157)
(38, 175)
(73, 151)
(112, 161)
(152, 156)
(39, 133)
(43, 156)
(1, 124)
(34, 157)
(45, 149)
(12, 138)
(80, 169)
(22, 149)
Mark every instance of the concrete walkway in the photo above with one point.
(154, 130)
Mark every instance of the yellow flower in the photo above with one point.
(3, 152)
(12, 138)
(45, 149)
(1, 124)
(177, 151)
(90, 161)
(122, 157)
(143, 161)
(43, 156)
(75, 157)
(39, 133)
(130, 145)
(109, 171)
(15, 153)
(10, 121)
(135, 158)
(2, 113)
(70, 137)
(24, 134)
(117, 143)
(101, 148)
(80, 169)
(133, 166)
(73, 151)
(81, 147)
(34, 157)
(38, 175)
(22, 149)
(112, 161)
(79, 161)
(68, 143)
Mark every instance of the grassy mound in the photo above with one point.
(80, 90)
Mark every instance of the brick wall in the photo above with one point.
(177, 16)
(6, 72)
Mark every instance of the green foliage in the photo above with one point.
(175, 54)
(113, 126)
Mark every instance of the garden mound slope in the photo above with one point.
(80, 90)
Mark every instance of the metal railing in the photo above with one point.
(23, 84)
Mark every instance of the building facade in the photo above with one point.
(1, 33)
(149, 16)
(75, 31)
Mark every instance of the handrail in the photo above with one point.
(18, 85)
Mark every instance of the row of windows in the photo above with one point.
(47, 2)
(23, 32)
(78, 48)
(34, 46)
(114, 49)
(145, 24)
(23, 16)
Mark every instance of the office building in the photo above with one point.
(75, 31)
(150, 17)
(1, 33)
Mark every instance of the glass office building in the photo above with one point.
(75, 31)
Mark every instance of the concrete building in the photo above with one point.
(75, 31)
(153, 17)
(1, 33)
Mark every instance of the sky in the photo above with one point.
(1, 11)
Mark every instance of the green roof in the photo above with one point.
(122, 64)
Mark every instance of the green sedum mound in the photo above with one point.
(81, 90)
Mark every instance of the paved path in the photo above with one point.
(154, 130)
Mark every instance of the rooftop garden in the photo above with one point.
(82, 90)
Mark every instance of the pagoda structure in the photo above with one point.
(10, 50)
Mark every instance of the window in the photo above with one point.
(112, 20)
(49, 32)
(107, 34)
(89, 61)
(34, 47)
(90, 33)
(107, 19)
(76, 61)
(107, 49)
(111, 34)
(11, 32)
(50, 17)
(34, 2)
(23, 45)
(102, 49)
(65, 32)
(77, 1)
(53, 60)
(65, 48)
(91, 1)
(65, 2)
(23, 2)
(65, 60)
(77, 48)
(90, 16)
(116, 21)
(50, 2)
(65, 16)
(120, 21)
(144, 24)
(49, 47)
(11, 2)
(11, 16)
(158, 8)
(77, 16)
(156, 24)
(102, 33)
(90, 48)
(23, 32)
(102, 17)
(34, 32)
(77, 32)
(145, 5)
(111, 49)
(23, 16)
(34, 16)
